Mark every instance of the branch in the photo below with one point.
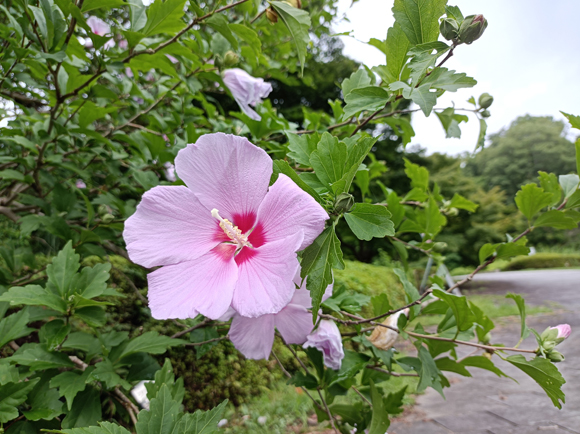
(197, 344)
(411, 246)
(197, 326)
(393, 374)
(328, 412)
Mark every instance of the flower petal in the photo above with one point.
(294, 323)
(226, 172)
(253, 337)
(170, 226)
(265, 277)
(204, 285)
(287, 209)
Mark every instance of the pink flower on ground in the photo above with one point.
(100, 28)
(225, 239)
(327, 339)
(80, 184)
(246, 90)
(254, 337)
(564, 330)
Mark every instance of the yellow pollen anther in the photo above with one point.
(233, 232)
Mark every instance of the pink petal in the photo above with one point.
(287, 209)
(253, 337)
(302, 295)
(294, 323)
(204, 285)
(265, 277)
(170, 226)
(226, 172)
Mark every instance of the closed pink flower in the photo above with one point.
(254, 337)
(246, 90)
(327, 339)
(225, 239)
(100, 28)
(564, 330)
(80, 184)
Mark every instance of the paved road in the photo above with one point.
(486, 404)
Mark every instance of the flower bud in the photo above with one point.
(439, 247)
(449, 29)
(107, 218)
(564, 331)
(103, 209)
(344, 202)
(485, 100)
(485, 114)
(272, 15)
(231, 58)
(294, 3)
(556, 356)
(472, 28)
(453, 212)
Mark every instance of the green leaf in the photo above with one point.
(569, 184)
(450, 365)
(105, 372)
(89, 5)
(460, 202)
(301, 147)
(450, 122)
(92, 281)
(282, 166)
(418, 175)
(357, 152)
(250, 37)
(367, 221)
(201, 422)
(357, 79)
(163, 415)
(381, 304)
(42, 24)
(138, 16)
(454, 13)
(14, 327)
(165, 17)
(544, 373)
(11, 174)
(329, 159)
(92, 315)
(461, 310)
(549, 182)
(150, 342)
(298, 23)
(481, 136)
(380, 419)
(103, 428)
(419, 19)
(165, 376)
(318, 260)
(38, 358)
(44, 401)
(33, 295)
(300, 379)
(62, 270)
(85, 410)
(424, 99)
(220, 24)
(555, 219)
(442, 78)
(11, 396)
(531, 199)
(428, 47)
(483, 363)
(91, 112)
(351, 365)
(53, 333)
(371, 98)
(507, 250)
(434, 220)
(574, 121)
(397, 46)
(411, 293)
(429, 373)
(70, 383)
(520, 302)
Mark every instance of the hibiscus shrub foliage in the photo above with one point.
(114, 142)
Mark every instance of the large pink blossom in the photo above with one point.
(254, 337)
(327, 339)
(225, 239)
(100, 28)
(246, 90)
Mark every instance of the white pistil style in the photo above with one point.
(232, 231)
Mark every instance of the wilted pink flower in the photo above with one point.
(327, 339)
(100, 28)
(80, 184)
(254, 337)
(226, 240)
(564, 330)
(169, 172)
(246, 90)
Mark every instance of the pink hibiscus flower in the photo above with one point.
(225, 239)
(100, 28)
(246, 90)
(328, 340)
(254, 337)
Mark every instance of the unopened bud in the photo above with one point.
(231, 58)
(449, 28)
(487, 338)
(453, 212)
(439, 247)
(294, 3)
(485, 100)
(472, 28)
(344, 202)
(485, 114)
(272, 15)
(107, 218)
(556, 356)
(103, 209)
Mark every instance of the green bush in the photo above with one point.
(544, 260)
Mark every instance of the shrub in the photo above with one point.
(544, 260)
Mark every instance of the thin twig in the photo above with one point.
(362, 396)
(190, 329)
(197, 344)
(419, 249)
(328, 412)
(393, 374)
(131, 284)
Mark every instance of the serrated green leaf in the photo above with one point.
(549, 182)
(89, 5)
(318, 260)
(43, 402)
(555, 219)
(298, 23)
(103, 428)
(461, 310)
(250, 37)
(357, 79)
(370, 98)
(301, 147)
(14, 327)
(419, 19)
(220, 24)
(33, 295)
(329, 159)
(442, 78)
(150, 342)
(429, 373)
(11, 396)
(397, 46)
(425, 99)
(411, 293)
(531, 199)
(418, 175)
(483, 363)
(545, 374)
(454, 13)
(300, 379)
(85, 410)
(70, 383)
(62, 270)
(574, 121)
(53, 333)
(201, 422)
(163, 414)
(461, 202)
(105, 372)
(520, 302)
(165, 17)
(508, 250)
(569, 184)
(38, 358)
(367, 221)
(380, 419)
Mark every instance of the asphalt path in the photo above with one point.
(486, 404)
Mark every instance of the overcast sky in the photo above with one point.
(528, 59)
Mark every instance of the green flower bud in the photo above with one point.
(103, 209)
(485, 114)
(550, 334)
(556, 356)
(485, 100)
(453, 212)
(439, 247)
(449, 28)
(487, 338)
(272, 15)
(548, 345)
(344, 202)
(231, 58)
(472, 28)
(294, 3)
(107, 218)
